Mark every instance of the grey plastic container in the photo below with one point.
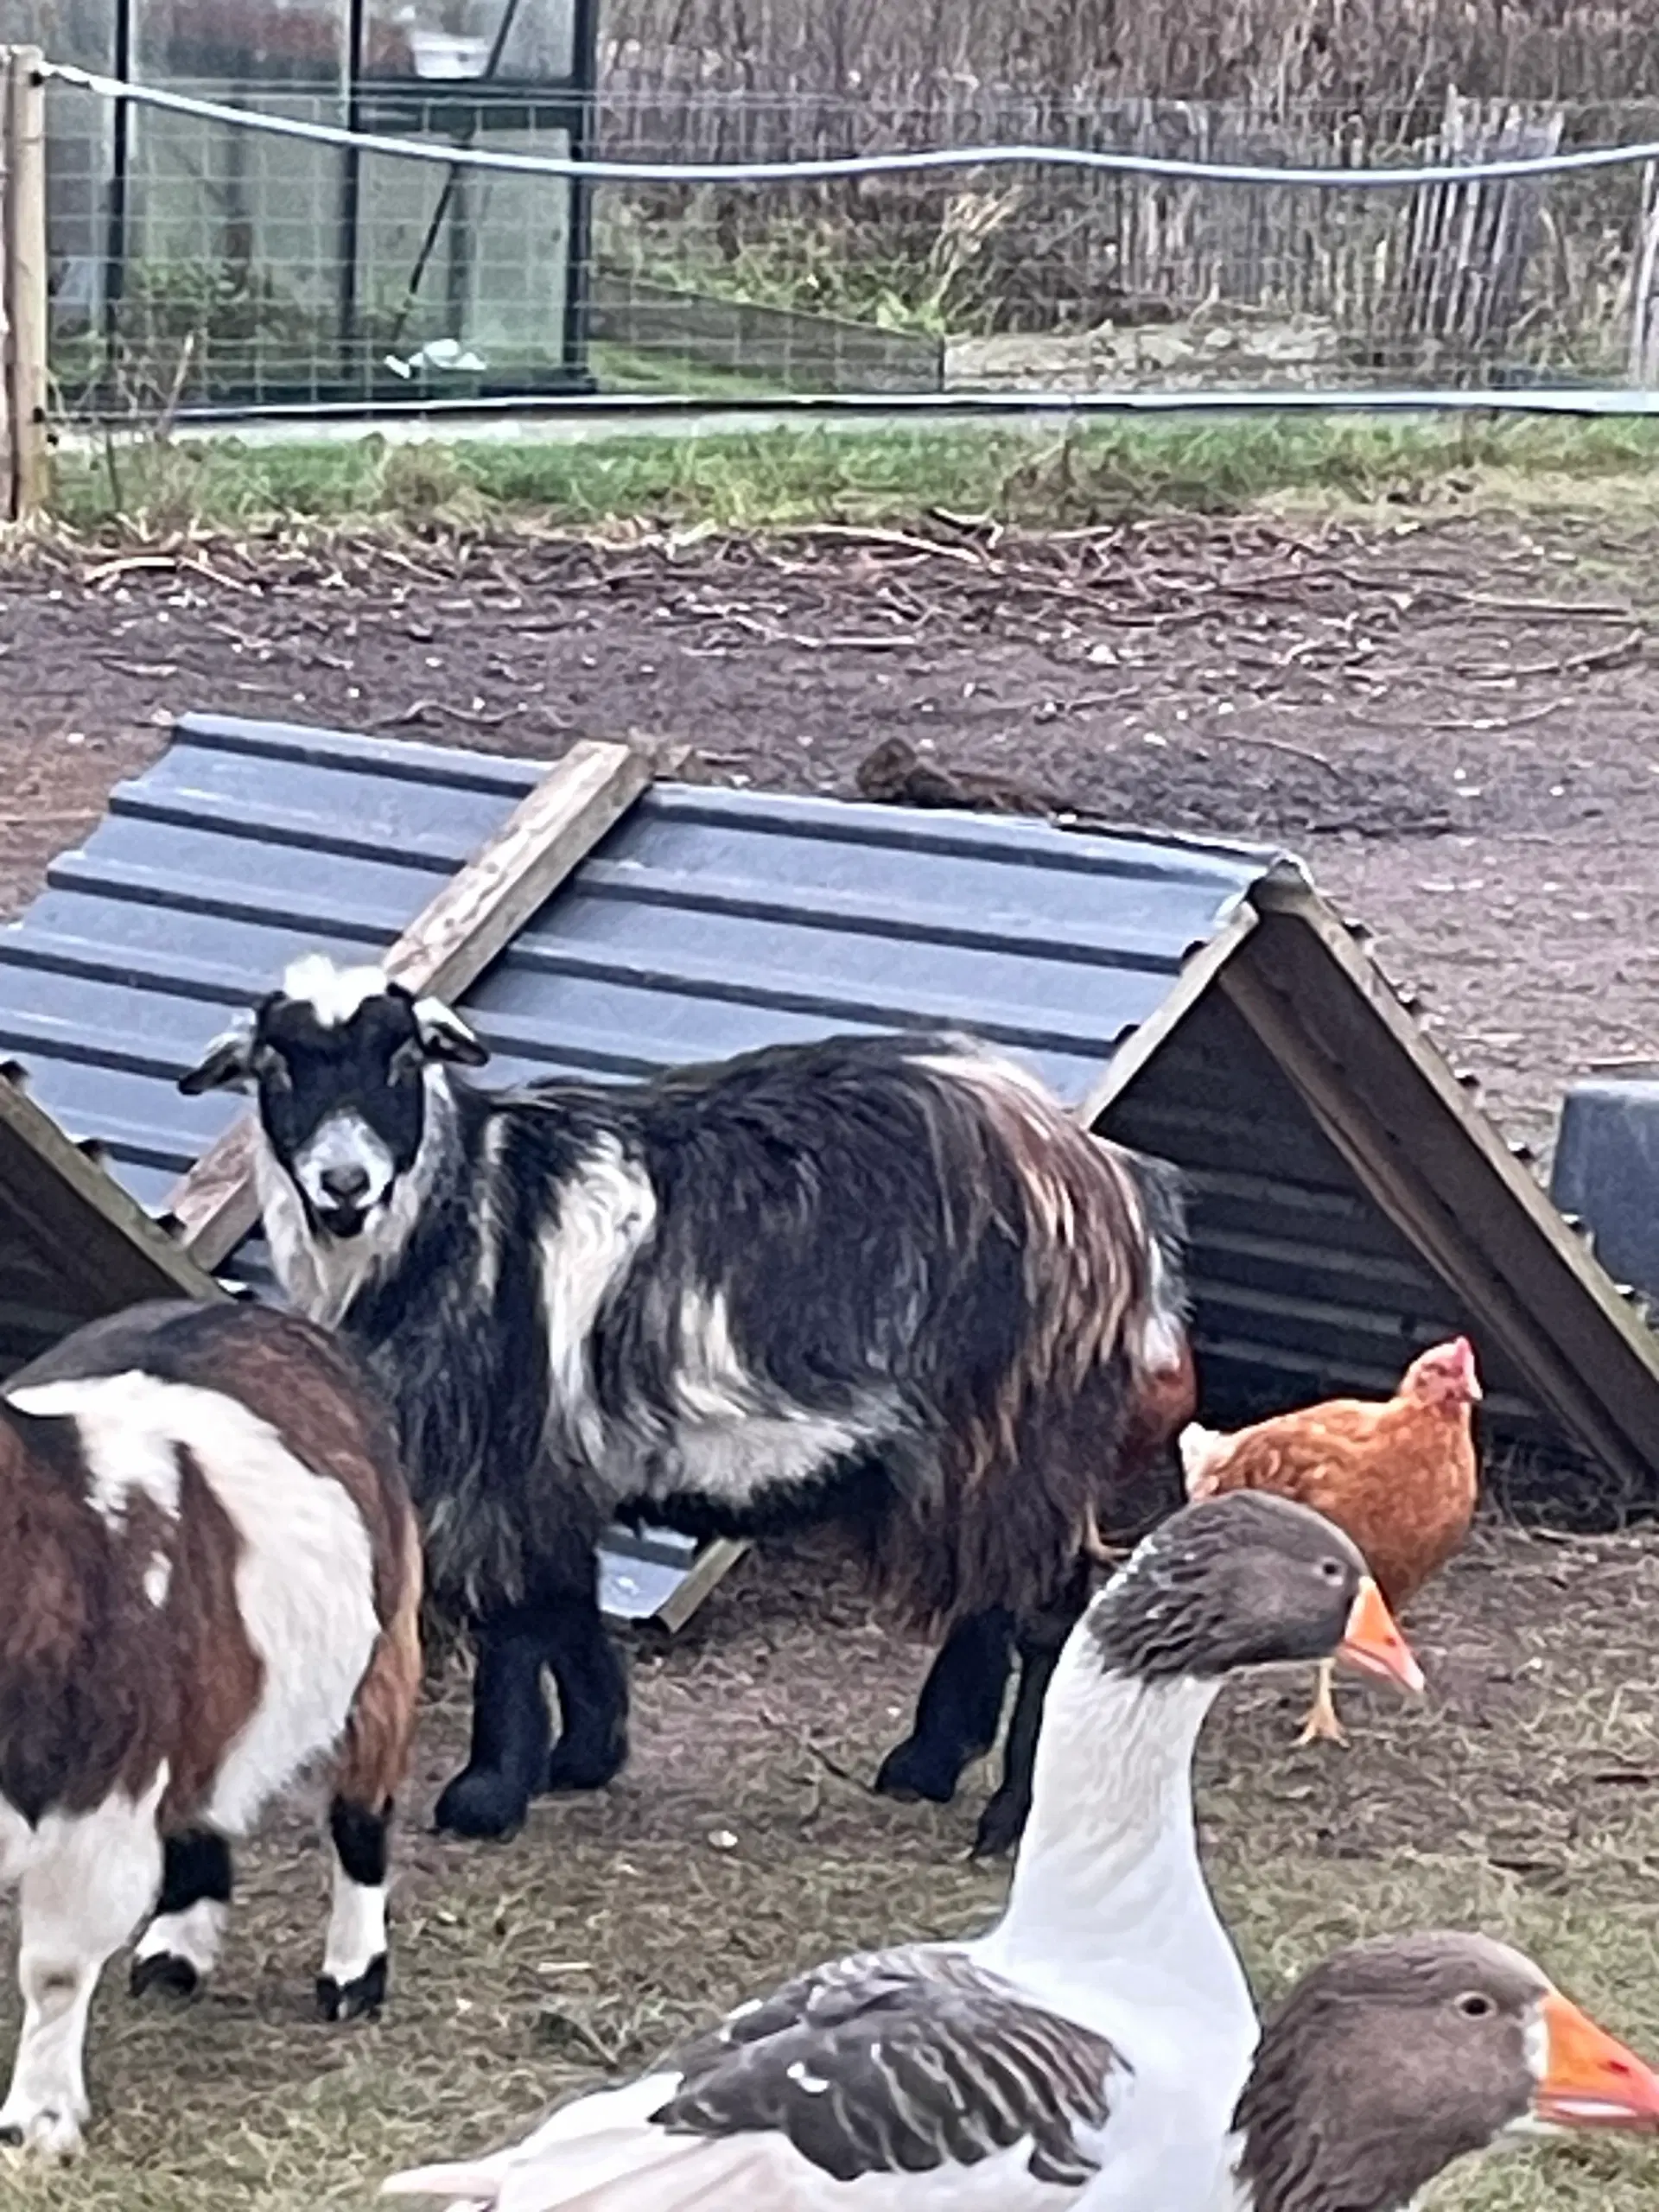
(1606, 1172)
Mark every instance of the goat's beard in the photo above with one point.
(344, 1223)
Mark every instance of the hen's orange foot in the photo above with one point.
(1323, 1728)
(1322, 1725)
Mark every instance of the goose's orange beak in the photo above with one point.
(1374, 1644)
(1589, 2079)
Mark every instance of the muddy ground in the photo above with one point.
(1454, 720)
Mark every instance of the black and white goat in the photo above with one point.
(885, 1281)
(210, 1574)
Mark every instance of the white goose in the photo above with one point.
(1397, 2057)
(1095, 2041)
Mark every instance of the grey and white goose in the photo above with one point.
(1396, 2057)
(1095, 2041)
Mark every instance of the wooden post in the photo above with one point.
(25, 280)
(7, 452)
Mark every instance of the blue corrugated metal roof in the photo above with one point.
(707, 922)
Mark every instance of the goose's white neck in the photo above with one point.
(1109, 1921)
(1109, 1843)
(1109, 1901)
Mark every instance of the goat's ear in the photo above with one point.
(445, 1036)
(227, 1065)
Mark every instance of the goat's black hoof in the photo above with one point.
(481, 1804)
(165, 1973)
(585, 1766)
(1000, 1826)
(353, 2000)
(910, 1771)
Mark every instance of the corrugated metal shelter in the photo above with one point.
(1199, 1000)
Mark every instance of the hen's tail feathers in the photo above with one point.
(1200, 1448)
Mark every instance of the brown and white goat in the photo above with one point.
(209, 1577)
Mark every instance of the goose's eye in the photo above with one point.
(1331, 1570)
(1474, 2006)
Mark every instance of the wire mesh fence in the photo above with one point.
(1078, 282)
(198, 265)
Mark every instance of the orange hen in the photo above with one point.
(1400, 1476)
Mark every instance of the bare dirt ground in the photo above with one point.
(1453, 719)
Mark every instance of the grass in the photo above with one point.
(628, 369)
(928, 275)
(741, 1843)
(775, 478)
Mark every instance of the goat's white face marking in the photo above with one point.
(334, 994)
(322, 1275)
(341, 1149)
(346, 1067)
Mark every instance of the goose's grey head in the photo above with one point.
(1245, 1580)
(1398, 2055)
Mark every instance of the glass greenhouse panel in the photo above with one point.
(508, 41)
(202, 266)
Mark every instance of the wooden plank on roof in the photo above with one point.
(445, 949)
(712, 1565)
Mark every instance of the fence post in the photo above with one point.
(23, 137)
(7, 449)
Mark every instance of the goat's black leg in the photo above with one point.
(511, 1729)
(1003, 1821)
(1038, 1644)
(178, 1950)
(593, 1687)
(957, 1712)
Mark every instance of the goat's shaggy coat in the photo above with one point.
(960, 1707)
(885, 1281)
(209, 1575)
